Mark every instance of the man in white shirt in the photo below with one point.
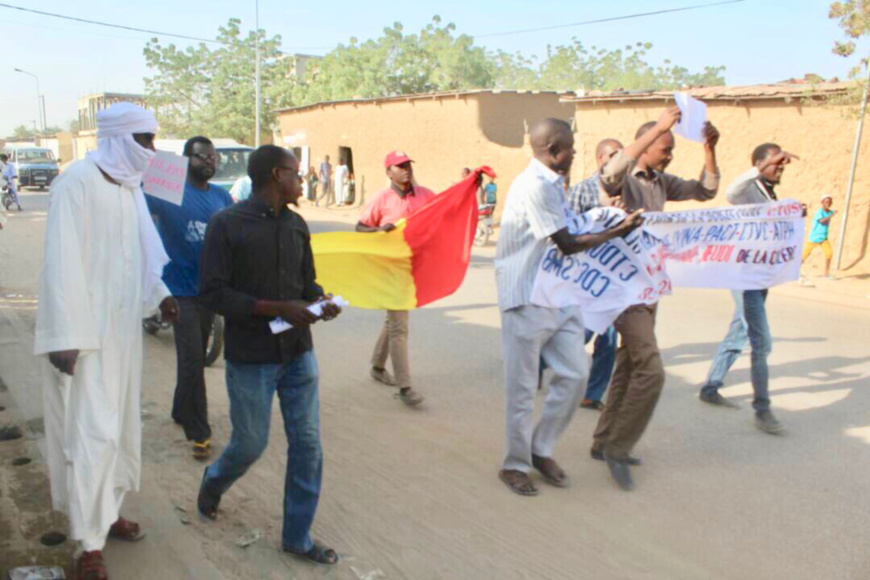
(535, 216)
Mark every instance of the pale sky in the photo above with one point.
(759, 41)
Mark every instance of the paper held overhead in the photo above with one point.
(694, 115)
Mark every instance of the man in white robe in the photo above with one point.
(101, 276)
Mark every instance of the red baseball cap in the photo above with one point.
(396, 158)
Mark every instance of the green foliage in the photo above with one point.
(200, 90)
(574, 67)
(854, 17)
(203, 91)
(399, 64)
(22, 133)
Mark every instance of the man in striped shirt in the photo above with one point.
(535, 214)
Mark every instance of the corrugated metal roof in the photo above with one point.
(419, 96)
(786, 90)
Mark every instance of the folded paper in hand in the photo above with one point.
(280, 325)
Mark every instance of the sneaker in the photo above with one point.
(766, 422)
(410, 397)
(382, 376)
(716, 399)
(807, 283)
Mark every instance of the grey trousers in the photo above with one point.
(529, 334)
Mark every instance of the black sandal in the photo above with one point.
(205, 503)
(318, 554)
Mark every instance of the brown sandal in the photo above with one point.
(550, 471)
(90, 566)
(518, 482)
(126, 531)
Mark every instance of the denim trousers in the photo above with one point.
(603, 359)
(748, 325)
(251, 389)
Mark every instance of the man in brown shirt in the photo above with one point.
(638, 172)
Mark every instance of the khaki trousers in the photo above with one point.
(636, 384)
(393, 344)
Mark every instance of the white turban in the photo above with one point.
(124, 160)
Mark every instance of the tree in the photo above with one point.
(22, 133)
(574, 67)
(854, 16)
(398, 64)
(212, 92)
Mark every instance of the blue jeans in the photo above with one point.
(749, 325)
(730, 349)
(603, 359)
(251, 389)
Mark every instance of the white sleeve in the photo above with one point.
(65, 318)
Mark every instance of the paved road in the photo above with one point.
(414, 494)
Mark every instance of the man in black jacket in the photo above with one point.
(257, 266)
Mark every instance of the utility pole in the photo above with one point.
(257, 50)
(852, 172)
(38, 97)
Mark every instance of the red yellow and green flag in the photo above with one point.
(425, 258)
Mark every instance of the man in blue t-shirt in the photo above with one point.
(182, 229)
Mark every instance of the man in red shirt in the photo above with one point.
(398, 201)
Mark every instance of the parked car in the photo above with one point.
(36, 166)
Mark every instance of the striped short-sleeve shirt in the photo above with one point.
(534, 210)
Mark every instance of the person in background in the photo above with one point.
(3, 213)
(241, 189)
(10, 174)
(398, 201)
(582, 197)
(489, 193)
(182, 229)
(312, 184)
(340, 183)
(257, 265)
(749, 323)
(325, 181)
(819, 236)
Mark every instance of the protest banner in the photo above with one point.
(749, 247)
(165, 177)
(606, 279)
(743, 247)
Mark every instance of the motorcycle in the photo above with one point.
(215, 345)
(484, 224)
(7, 199)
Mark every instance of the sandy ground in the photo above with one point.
(413, 493)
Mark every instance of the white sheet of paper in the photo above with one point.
(280, 325)
(165, 177)
(691, 125)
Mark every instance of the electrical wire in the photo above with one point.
(600, 20)
(487, 35)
